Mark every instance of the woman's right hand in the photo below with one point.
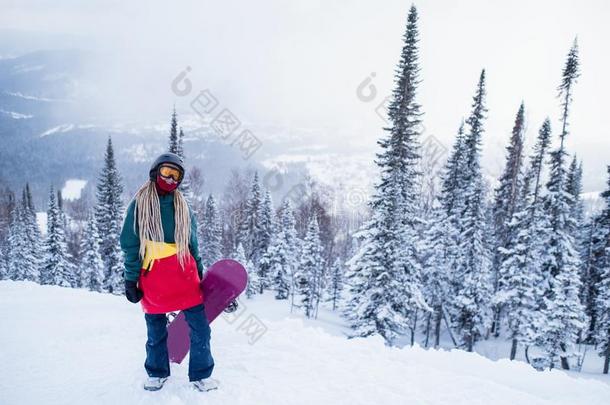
(132, 292)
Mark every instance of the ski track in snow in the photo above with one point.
(69, 346)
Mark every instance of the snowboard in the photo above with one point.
(221, 284)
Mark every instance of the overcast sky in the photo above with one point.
(299, 63)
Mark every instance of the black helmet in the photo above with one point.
(167, 157)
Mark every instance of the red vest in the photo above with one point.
(166, 286)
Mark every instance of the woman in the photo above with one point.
(163, 270)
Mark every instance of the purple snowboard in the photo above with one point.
(221, 284)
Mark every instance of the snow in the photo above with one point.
(63, 346)
(73, 188)
(41, 219)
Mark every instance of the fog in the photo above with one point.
(298, 64)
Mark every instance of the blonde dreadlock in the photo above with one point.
(148, 214)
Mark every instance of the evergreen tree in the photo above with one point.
(286, 225)
(174, 141)
(250, 225)
(336, 283)
(439, 256)
(471, 300)
(384, 277)
(562, 306)
(3, 264)
(520, 273)
(277, 263)
(308, 278)
(58, 269)
(30, 247)
(109, 217)
(91, 263)
(506, 200)
(264, 233)
(18, 249)
(211, 234)
(601, 268)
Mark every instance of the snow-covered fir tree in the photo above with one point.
(109, 217)
(520, 274)
(385, 288)
(18, 249)
(250, 223)
(25, 243)
(91, 266)
(562, 307)
(277, 264)
(506, 195)
(57, 268)
(470, 302)
(438, 256)
(309, 274)
(601, 266)
(335, 285)
(264, 233)
(210, 238)
(174, 140)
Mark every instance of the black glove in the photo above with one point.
(132, 292)
(232, 307)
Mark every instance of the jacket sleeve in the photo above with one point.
(194, 243)
(130, 245)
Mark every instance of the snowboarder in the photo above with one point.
(163, 270)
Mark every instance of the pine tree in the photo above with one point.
(601, 268)
(3, 264)
(264, 233)
(174, 145)
(308, 278)
(336, 283)
(58, 269)
(384, 292)
(25, 250)
(91, 263)
(18, 249)
(439, 255)
(472, 298)
(506, 201)
(109, 217)
(520, 273)
(210, 244)
(286, 225)
(277, 263)
(248, 229)
(562, 305)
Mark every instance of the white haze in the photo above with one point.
(297, 64)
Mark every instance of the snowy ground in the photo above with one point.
(65, 346)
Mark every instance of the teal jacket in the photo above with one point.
(130, 240)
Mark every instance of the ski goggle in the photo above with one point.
(170, 171)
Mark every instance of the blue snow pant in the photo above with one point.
(201, 362)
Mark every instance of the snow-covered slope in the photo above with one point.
(65, 346)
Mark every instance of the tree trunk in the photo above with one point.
(414, 329)
(564, 361)
(437, 327)
(606, 362)
(428, 318)
(513, 350)
(527, 354)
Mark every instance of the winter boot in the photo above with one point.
(154, 383)
(206, 384)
